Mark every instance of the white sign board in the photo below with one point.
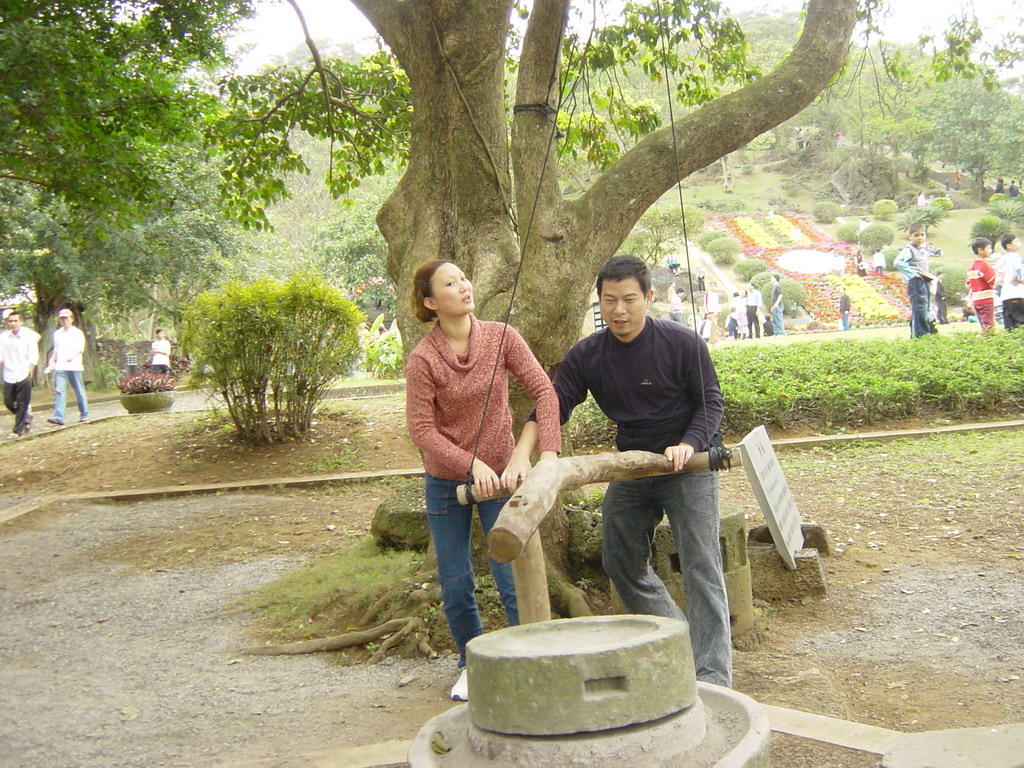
(772, 492)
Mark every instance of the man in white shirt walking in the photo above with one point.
(19, 356)
(160, 353)
(66, 362)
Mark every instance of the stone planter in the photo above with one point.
(148, 402)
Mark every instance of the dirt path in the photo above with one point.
(119, 641)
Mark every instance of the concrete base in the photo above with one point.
(771, 580)
(736, 736)
(1001, 746)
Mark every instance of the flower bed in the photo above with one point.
(876, 301)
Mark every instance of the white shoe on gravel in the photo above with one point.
(460, 691)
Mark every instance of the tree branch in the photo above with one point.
(621, 195)
(533, 120)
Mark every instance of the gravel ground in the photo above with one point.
(108, 666)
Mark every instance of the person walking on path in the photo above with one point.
(753, 321)
(778, 328)
(160, 353)
(655, 380)
(19, 356)
(67, 364)
(461, 423)
(913, 265)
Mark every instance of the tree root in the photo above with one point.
(397, 628)
(568, 594)
(413, 624)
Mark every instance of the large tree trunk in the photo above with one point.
(458, 199)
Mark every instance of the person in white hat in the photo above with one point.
(66, 362)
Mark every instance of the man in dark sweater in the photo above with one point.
(655, 380)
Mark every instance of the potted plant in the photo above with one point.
(146, 392)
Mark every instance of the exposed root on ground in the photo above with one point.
(395, 631)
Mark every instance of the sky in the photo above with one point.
(276, 30)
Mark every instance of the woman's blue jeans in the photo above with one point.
(450, 529)
(630, 512)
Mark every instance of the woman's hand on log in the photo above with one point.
(679, 455)
(517, 469)
(485, 481)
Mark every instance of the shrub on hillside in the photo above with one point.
(1011, 209)
(890, 253)
(271, 350)
(885, 209)
(723, 250)
(998, 196)
(793, 292)
(705, 238)
(747, 268)
(944, 203)
(847, 232)
(991, 227)
(825, 212)
(875, 236)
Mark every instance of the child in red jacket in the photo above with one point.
(981, 279)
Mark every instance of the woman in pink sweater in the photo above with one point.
(448, 383)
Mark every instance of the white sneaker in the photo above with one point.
(460, 691)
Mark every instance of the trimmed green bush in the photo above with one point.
(723, 250)
(792, 292)
(875, 236)
(944, 203)
(847, 233)
(747, 268)
(991, 227)
(998, 196)
(706, 238)
(846, 382)
(271, 350)
(890, 253)
(885, 209)
(825, 212)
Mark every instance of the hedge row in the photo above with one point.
(853, 383)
